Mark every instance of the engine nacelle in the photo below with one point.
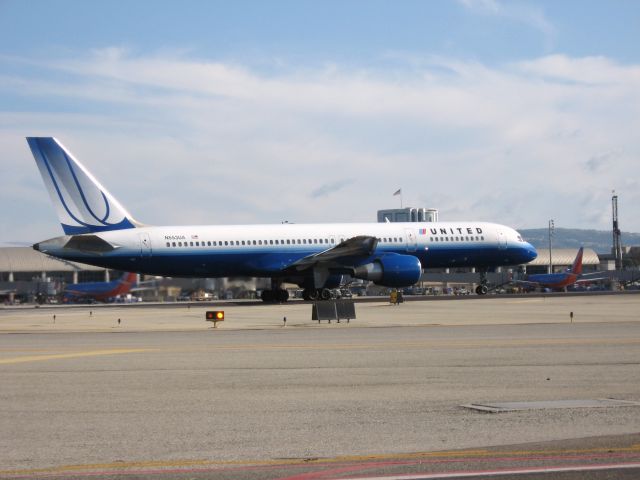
(391, 270)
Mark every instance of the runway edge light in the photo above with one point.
(215, 315)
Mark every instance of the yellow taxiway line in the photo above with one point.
(60, 356)
(123, 466)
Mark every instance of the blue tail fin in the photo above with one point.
(82, 204)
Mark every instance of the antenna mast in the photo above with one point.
(617, 245)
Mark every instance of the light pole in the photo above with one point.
(551, 228)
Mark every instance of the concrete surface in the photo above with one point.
(166, 389)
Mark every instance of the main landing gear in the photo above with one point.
(316, 294)
(278, 295)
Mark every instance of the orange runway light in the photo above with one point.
(215, 316)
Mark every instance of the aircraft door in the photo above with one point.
(145, 244)
(411, 239)
(502, 240)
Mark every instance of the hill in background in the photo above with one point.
(599, 240)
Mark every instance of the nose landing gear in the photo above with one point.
(482, 289)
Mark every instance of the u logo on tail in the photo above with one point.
(82, 203)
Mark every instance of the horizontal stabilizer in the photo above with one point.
(89, 244)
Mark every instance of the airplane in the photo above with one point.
(100, 231)
(101, 291)
(561, 280)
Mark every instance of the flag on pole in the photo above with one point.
(398, 192)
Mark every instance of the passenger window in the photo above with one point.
(277, 242)
(174, 244)
(271, 242)
(315, 240)
(304, 240)
(168, 244)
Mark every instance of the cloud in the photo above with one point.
(600, 161)
(586, 70)
(329, 188)
(520, 12)
(182, 140)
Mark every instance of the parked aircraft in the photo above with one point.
(561, 280)
(100, 291)
(100, 231)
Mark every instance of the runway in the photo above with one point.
(260, 400)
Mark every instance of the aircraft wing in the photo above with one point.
(524, 282)
(591, 279)
(356, 247)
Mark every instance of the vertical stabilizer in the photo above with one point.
(82, 203)
(577, 263)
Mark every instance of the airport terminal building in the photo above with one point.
(25, 273)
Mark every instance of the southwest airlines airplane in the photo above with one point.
(101, 291)
(561, 280)
(100, 231)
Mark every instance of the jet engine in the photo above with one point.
(391, 270)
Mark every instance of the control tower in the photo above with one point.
(408, 214)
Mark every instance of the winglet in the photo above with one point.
(82, 203)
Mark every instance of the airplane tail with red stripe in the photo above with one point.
(577, 263)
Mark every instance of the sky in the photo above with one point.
(218, 112)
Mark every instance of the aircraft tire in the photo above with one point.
(310, 294)
(282, 295)
(482, 289)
